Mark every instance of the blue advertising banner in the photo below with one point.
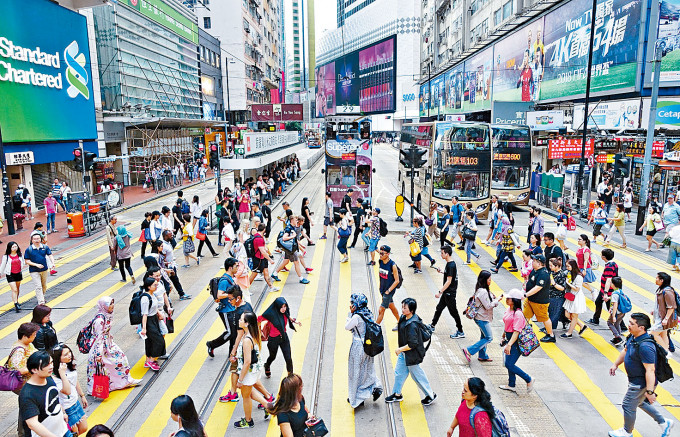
(347, 84)
(455, 86)
(45, 73)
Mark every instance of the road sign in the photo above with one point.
(240, 150)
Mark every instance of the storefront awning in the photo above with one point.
(165, 122)
(670, 165)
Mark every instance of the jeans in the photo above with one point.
(673, 254)
(401, 372)
(469, 251)
(175, 282)
(366, 237)
(556, 311)
(61, 203)
(448, 300)
(124, 264)
(273, 345)
(634, 398)
(501, 259)
(615, 326)
(485, 338)
(426, 253)
(342, 245)
(510, 363)
(50, 221)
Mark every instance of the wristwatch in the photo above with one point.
(650, 392)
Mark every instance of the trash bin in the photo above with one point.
(19, 219)
(591, 207)
(75, 224)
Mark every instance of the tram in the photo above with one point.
(349, 158)
(458, 163)
(511, 163)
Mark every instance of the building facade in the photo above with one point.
(301, 41)
(250, 38)
(366, 22)
(210, 72)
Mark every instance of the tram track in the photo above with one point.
(294, 193)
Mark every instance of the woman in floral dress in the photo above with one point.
(106, 352)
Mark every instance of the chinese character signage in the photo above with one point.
(19, 158)
(637, 148)
(277, 112)
(567, 39)
(163, 14)
(258, 142)
(569, 148)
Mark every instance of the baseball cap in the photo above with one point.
(377, 210)
(386, 248)
(515, 293)
(539, 258)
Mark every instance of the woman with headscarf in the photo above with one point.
(363, 382)
(278, 318)
(104, 351)
(124, 253)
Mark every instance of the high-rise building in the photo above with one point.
(250, 37)
(301, 44)
(364, 22)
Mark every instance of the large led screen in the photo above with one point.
(669, 40)
(477, 93)
(377, 77)
(325, 90)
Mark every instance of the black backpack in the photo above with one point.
(383, 228)
(425, 333)
(374, 343)
(214, 284)
(662, 369)
(135, 310)
(401, 277)
(249, 244)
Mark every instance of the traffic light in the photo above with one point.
(621, 166)
(412, 157)
(418, 160)
(78, 159)
(89, 160)
(214, 156)
(405, 159)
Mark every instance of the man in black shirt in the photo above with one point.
(358, 229)
(552, 250)
(39, 407)
(389, 281)
(447, 294)
(347, 200)
(538, 296)
(177, 216)
(267, 214)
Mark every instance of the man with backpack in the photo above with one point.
(218, 290)
(390, 280)
(643, 359)
(257, 251)
(412, 335)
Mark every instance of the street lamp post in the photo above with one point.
(9, 216)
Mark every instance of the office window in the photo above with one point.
(507, 10)
(206, 22)
(497, 17)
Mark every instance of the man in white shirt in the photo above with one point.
(171, 264)
(601, 188)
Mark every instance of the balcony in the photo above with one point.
(270, 83)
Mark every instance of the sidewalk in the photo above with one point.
(635, 242)
(133, 196)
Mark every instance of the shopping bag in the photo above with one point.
(414, 247)
(100, 384)
(200, 236)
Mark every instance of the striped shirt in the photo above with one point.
(611, 270)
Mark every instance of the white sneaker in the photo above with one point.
(620, 433)
(508, 388)
(666, 428)
(274, 289)
(530, 385)
(259, 277)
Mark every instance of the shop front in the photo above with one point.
(636, 150)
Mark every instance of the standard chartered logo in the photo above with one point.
(76, 75)
(13, 68)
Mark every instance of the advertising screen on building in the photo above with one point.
(362, 81)
(424, 99)
(45, 73)
(377, 69)
(567, 38)
(620, 114)
(519, 65)
(669, 40)
(455, 85)
(477, 94)
(325, 90)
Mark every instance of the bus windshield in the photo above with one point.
(511, 157)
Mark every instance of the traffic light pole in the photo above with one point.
(9, 212)
(645, 197)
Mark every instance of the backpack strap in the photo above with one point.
(473, 413)
(9, 357)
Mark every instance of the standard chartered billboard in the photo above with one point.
(45, 73)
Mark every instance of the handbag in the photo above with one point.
(527, 340)
(414, 247)
(147, 234)
(469, 234)
(658, 225)
(315, 427)
(189, 246)
(10, 380)
(200, 236)
(569, 296)
(471, 309)
(100, 383)
(343, 233)
(170, 324)
(429, 222)
(266, 330)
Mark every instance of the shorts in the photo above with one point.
(597, 230)
(259, 265)
(651, 233)
(75, 414)
(327, 221)
(290, 256)
(417, 257)
(540, 310)
(387, 299)
(14, 277)
(373, 244)
(628, 210)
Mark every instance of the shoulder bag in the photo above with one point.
(527, 340)
(10, 380)
(315, 427)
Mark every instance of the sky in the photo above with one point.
(325, 16)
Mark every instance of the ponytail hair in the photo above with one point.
(478, 388)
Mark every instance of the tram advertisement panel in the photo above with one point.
(348, 165)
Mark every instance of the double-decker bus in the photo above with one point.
(349, 160)
(511, 162)
(458, 163)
